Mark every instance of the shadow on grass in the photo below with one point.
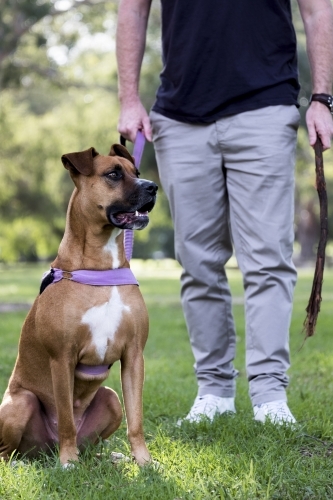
(94, 476)
(231, 458)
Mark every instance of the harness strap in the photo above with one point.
(92, 369)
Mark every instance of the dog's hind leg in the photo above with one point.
(22, 428)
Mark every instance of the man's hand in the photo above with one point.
(317, 16)
(320, 124)
(134, 117)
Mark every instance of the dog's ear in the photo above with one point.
(119, 150)
(81, 162)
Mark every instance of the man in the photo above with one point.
(224, 128)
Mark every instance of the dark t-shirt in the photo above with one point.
(223, 57)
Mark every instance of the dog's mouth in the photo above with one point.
(122, 218)
(137, 219)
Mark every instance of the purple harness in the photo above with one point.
(109, 277)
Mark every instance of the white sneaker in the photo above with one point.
(208, 406)
(276, 411)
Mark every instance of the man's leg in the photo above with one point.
(190, 168)
(259, 152)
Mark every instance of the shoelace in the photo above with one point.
(279, 411)
(204, 403)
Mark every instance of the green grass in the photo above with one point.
(233, 458)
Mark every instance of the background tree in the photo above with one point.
(58, 85)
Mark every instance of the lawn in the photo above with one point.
(233, 458)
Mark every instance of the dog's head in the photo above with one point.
(110, 188)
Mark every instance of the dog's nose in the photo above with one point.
(150, 186)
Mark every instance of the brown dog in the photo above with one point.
(75, 332)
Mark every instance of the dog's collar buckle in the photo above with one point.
(67, 275)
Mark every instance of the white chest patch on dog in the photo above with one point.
(104, 321)
(112, 247)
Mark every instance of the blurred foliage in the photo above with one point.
(58, 82)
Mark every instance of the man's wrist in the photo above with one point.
(129, 98)
(325, 99)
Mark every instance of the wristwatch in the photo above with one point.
(325, 99)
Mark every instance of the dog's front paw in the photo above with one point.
(68, 466)
(120, 458)
(17, 463)
(68, 458)
(142, 457)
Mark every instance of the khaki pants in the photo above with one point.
(232, 182)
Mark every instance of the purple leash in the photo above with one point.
(139, 145)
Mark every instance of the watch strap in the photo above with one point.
(325, 99)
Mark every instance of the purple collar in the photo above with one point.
(108, 277)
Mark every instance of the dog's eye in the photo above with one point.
(114, 175)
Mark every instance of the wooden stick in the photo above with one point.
(313, 307)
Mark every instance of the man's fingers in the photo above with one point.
(325, 135)
(325, 142)
(320, 124)
(133, 118)
(129, 133)
(312, 134)
(147, 129)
